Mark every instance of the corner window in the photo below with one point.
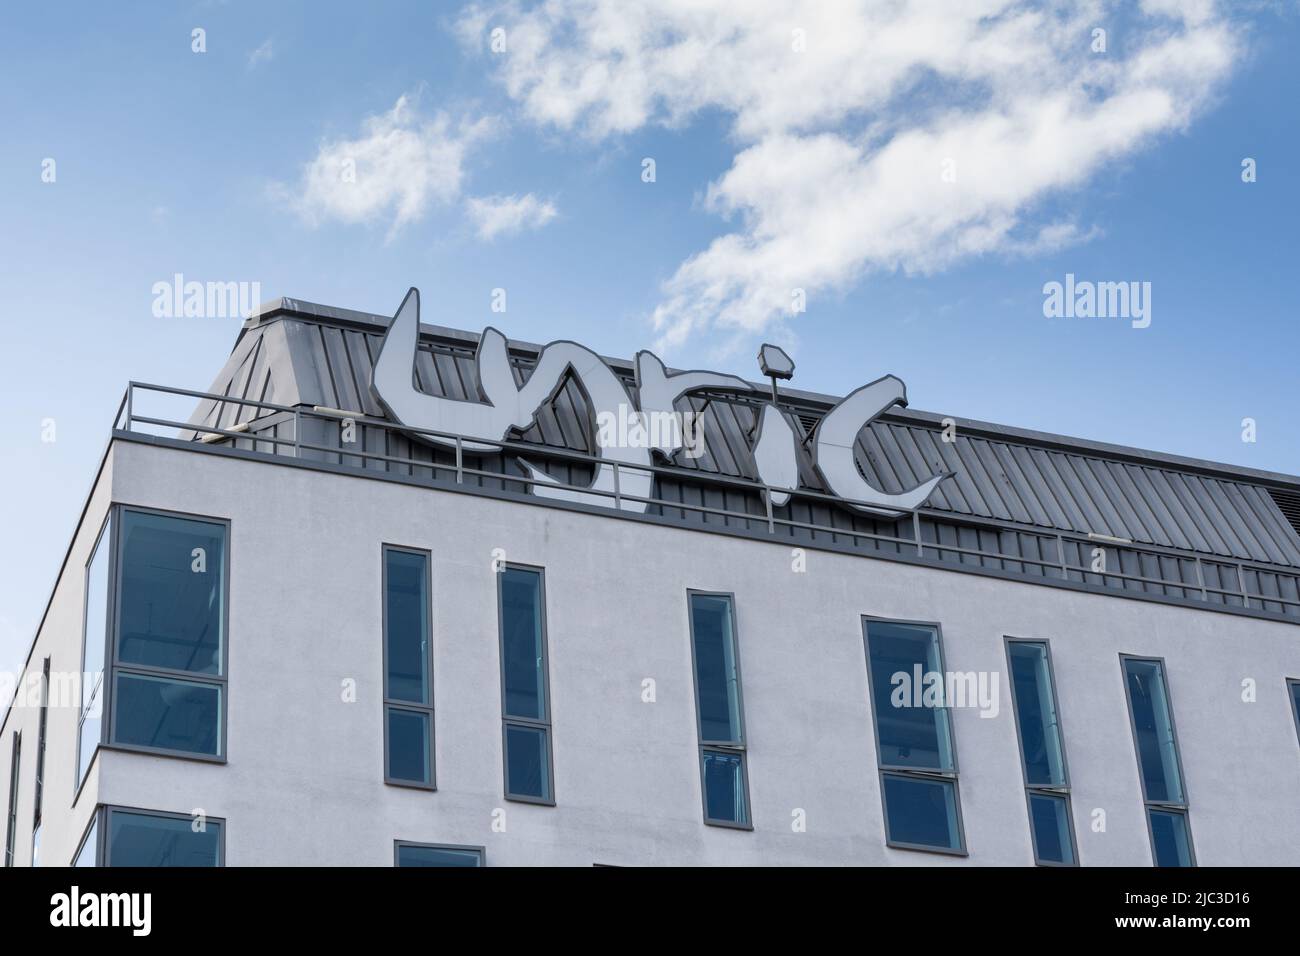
(918, 766)
(1042, 754)
(435, 854)
(121, 836)
(168, 674)
(94, 643)
(1159, 767)
(719, 712)
(408, 669)
(525, 703)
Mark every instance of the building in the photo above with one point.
(331, 615)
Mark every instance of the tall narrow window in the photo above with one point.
(1159, 767)
(408, 669)
(525, 698)
(1293, 692)
(40, 761)
(1042, 755)
(11, 828)
(94, 644)
(918, 766)
(724, 779)
(168, 689)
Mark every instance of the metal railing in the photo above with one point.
(270, 414)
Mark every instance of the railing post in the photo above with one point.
(297, 433)
(1241, 583)
(916, 533)
(1200, 578)
(618, 499)
(130, 411)
(771, 521)
(1060, 554)
(460, 462)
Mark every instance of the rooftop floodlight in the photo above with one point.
(775, 364)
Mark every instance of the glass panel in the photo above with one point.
(1153, 726)
(1295, 703)
(717, 679)
(1049, 817)
(87, 740)
(408, 745)
(1040, 734)
(88, 855)
(142, 839)
(724, 787)
(911, 723)
(408, 855)
(407, 619)
(521, 643)
(527, 762)
(11, 831)
(96, 613)
(168, 713)
(921, 812)
(171, 609)
(1170, 841)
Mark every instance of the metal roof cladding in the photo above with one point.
(293, 352)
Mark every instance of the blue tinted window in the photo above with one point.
(1049, 816)
(406, 614)
(528, 762)
(1154, 731)
(1294, 688)
(408, 745)
(912, 730)
(522, 657)
(724, 787)
(167, 713)
(921, 811)
(1040, 732)
(94, 643)
(171, 607)
(11, 831)
(717, 679)
(409, 854)
(1171, 844)
(144, 839)
(88, 854)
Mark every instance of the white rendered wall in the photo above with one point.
(304, 781)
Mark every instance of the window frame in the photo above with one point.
(1183, 808)
(107, 526)
(11, 811)
(113, 667)
(545, 724)
(102, 818)
(459, 847)
(1062, 791)
(1293, 698)
(406, 705)
(951, 776)
(731, 748)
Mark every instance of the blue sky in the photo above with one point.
(771, 172)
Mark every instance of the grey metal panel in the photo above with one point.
(1022, 478)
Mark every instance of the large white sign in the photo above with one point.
(507, 406)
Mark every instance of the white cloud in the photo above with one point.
(402, 165)
(842, 148)
(263, 54)
(507, 215)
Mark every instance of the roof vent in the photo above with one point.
(1288, 502)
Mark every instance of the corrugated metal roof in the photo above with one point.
(302, 354)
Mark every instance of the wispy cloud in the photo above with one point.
(507, 215)
(263, 54)
(869, 136)
(401, 165)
